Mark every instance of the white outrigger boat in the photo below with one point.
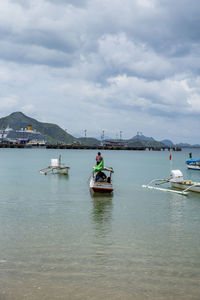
(101, 181)
(56, 167)
(176, 180)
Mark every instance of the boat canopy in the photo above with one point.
(192, 160)
(108, 169)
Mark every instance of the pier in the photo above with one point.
(84, 147)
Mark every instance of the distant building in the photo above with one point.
(22, 136)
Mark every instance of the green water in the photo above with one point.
(57, 241)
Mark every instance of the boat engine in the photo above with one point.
(176, 176)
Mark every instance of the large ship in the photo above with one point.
(22, 136)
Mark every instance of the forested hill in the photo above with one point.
(53, 133)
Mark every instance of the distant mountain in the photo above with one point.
(144, 141)
(142, 138)
(135, 143)
(52, 132)
(89, 141)
(186, 145)
(167, 143)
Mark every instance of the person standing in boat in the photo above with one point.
(99, 158)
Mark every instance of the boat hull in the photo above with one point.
(185, 185)
(193, 167)
(100, 187)
(63, 171)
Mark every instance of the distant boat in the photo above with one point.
(101, 179)
(56, 167)
(193, 164)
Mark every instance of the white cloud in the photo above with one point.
(8, 103)
(194, 103)
(28, 109)
(124, 55)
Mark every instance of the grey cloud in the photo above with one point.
(27, 3)
(184, 17)
(49, 39)
(34, 55)
(23, 3)
(80, 3)
(80, 31)
(140, 60)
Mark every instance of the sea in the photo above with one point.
(58, 241)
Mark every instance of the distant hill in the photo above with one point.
(144, 141)
(186, 145)
(142, 138)
(135, 143)
(167, 143)
(89, 141)
(52, 132)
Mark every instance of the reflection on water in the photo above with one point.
(101, 196)
(176, 216)
(57, 181)
(102, 213)
(58, 177)
(102, 222)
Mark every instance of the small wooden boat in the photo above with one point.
(176, 181)
(56, 167)
(101, 181)
(193, 164)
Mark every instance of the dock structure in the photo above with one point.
(84, 147)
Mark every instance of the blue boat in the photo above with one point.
(193, 164)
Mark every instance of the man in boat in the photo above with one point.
(101, 176)
(99, 158)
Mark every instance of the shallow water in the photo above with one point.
(57, 241)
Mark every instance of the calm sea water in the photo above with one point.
(57, 241)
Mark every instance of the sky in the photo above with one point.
(111, 65)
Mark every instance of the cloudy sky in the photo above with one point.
(112, 65)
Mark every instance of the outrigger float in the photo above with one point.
(176, 180)
(56, 167)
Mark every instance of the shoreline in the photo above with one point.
(84, 147)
